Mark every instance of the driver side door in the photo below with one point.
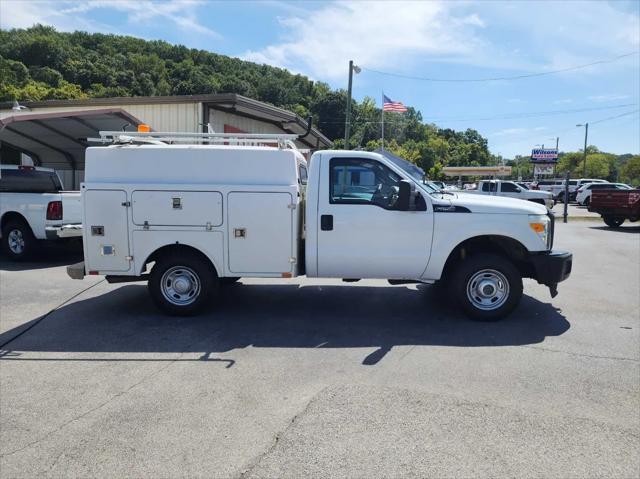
(360, 233)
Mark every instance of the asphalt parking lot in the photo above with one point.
(317, 378)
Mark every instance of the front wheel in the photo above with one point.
(487, 287)
(182, 284)
(612, 222)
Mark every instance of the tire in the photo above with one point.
(182, 284)
(481, 302)
(18, 241)
(613, 222)
(226, 281)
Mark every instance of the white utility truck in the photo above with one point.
(513, 190)
(191, 217)
(33, 207)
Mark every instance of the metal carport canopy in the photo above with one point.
(58, 140)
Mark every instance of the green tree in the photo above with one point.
(630, 171)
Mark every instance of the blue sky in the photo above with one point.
(457, 40)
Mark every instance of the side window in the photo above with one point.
(485, 186)
(302, 171)
(365, 182)
(510, 188)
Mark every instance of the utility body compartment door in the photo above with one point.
(177, 208)
(106, 237)
(260, 234)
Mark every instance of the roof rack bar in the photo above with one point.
(158, 135)
(234, 139)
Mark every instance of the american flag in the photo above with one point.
(389, 105)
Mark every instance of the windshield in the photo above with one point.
(415, 172)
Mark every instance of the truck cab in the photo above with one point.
(191, 218)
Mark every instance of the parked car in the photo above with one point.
(513, 190)
(33, 207)
(196, 214)
(558, 189)
(581, 182)
(544, 185)
(583, 196)
(616, 206)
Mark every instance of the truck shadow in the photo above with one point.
(622, 229)
(276, 316)
(46, 256)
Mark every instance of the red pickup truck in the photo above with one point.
(616, 206)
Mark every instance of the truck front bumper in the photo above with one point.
(551, 267)
(63, 231)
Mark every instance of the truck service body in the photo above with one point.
(201, 215)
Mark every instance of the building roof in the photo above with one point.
(59, 139)
(230, 102)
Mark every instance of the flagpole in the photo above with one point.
(382, 108)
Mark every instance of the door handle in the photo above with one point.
(326, 222)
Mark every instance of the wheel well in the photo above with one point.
(12, 216)
(501, 245)
(178, 249)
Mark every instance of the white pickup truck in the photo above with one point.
(513, 190)
(190, 218)
(33, 207)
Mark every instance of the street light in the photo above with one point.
(584, 153)
(352, 69)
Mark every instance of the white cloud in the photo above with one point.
(374, 34)
(397, 36)
(72, 15)
(609, 97)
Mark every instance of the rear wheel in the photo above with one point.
(487, 287)
(613, 222)
(18, 241)
(181, 284)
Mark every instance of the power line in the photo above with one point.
(511, 116)
(533, 114)
(573, 128)
(614, 117)
(516, 77)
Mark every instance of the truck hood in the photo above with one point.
(490, 204)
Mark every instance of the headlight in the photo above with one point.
(540, 225)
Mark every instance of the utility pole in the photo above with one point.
(347, 124)
(584, 153)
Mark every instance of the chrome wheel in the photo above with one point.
(488, 289)
(15, 241)
(180, 285)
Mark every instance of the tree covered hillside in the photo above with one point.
(40, 63)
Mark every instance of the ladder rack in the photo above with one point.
(282, 141)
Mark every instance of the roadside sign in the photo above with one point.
(544, 155)
(543, 169)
